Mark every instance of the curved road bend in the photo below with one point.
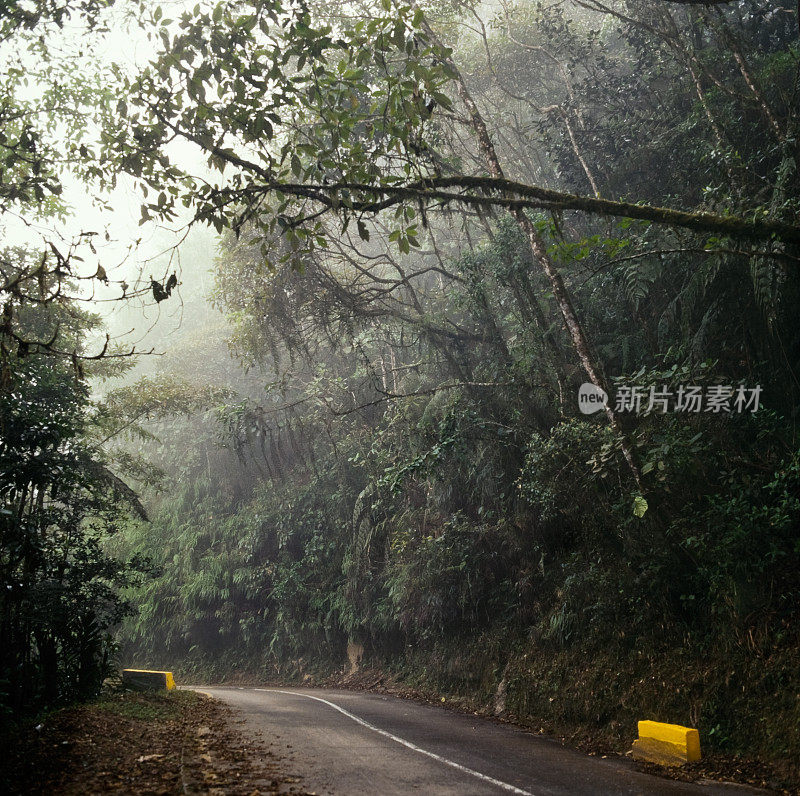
(353, 743)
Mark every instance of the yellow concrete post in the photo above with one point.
(147, 680)
(666, 744)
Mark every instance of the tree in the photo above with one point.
(301, 118)
(59, 503)
(59, 499)
(405, 467)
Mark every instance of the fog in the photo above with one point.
(325, 287)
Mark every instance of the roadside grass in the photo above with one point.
(144, 705)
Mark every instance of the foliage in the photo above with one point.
(376, 439)
(59, 499)
(309, 117)
(402, 460)
(59, 503)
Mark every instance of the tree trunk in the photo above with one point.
(540, 255)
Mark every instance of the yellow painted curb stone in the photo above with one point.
(666, 744)
(146, 679)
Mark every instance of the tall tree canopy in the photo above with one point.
(435, 222)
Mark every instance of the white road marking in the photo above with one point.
(504, 785)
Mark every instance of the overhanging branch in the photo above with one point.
(489, 192)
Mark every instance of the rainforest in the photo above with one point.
(300, 306)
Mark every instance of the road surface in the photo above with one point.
(349, 743)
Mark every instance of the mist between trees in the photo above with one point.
(425, 226)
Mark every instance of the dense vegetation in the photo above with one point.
(376, 437)
(59, 498)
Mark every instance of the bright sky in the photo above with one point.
(132, 250)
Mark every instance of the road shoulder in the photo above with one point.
(154, 743)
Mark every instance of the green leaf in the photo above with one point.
(639, 506)
(443, 100)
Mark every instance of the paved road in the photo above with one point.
(351, 743)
